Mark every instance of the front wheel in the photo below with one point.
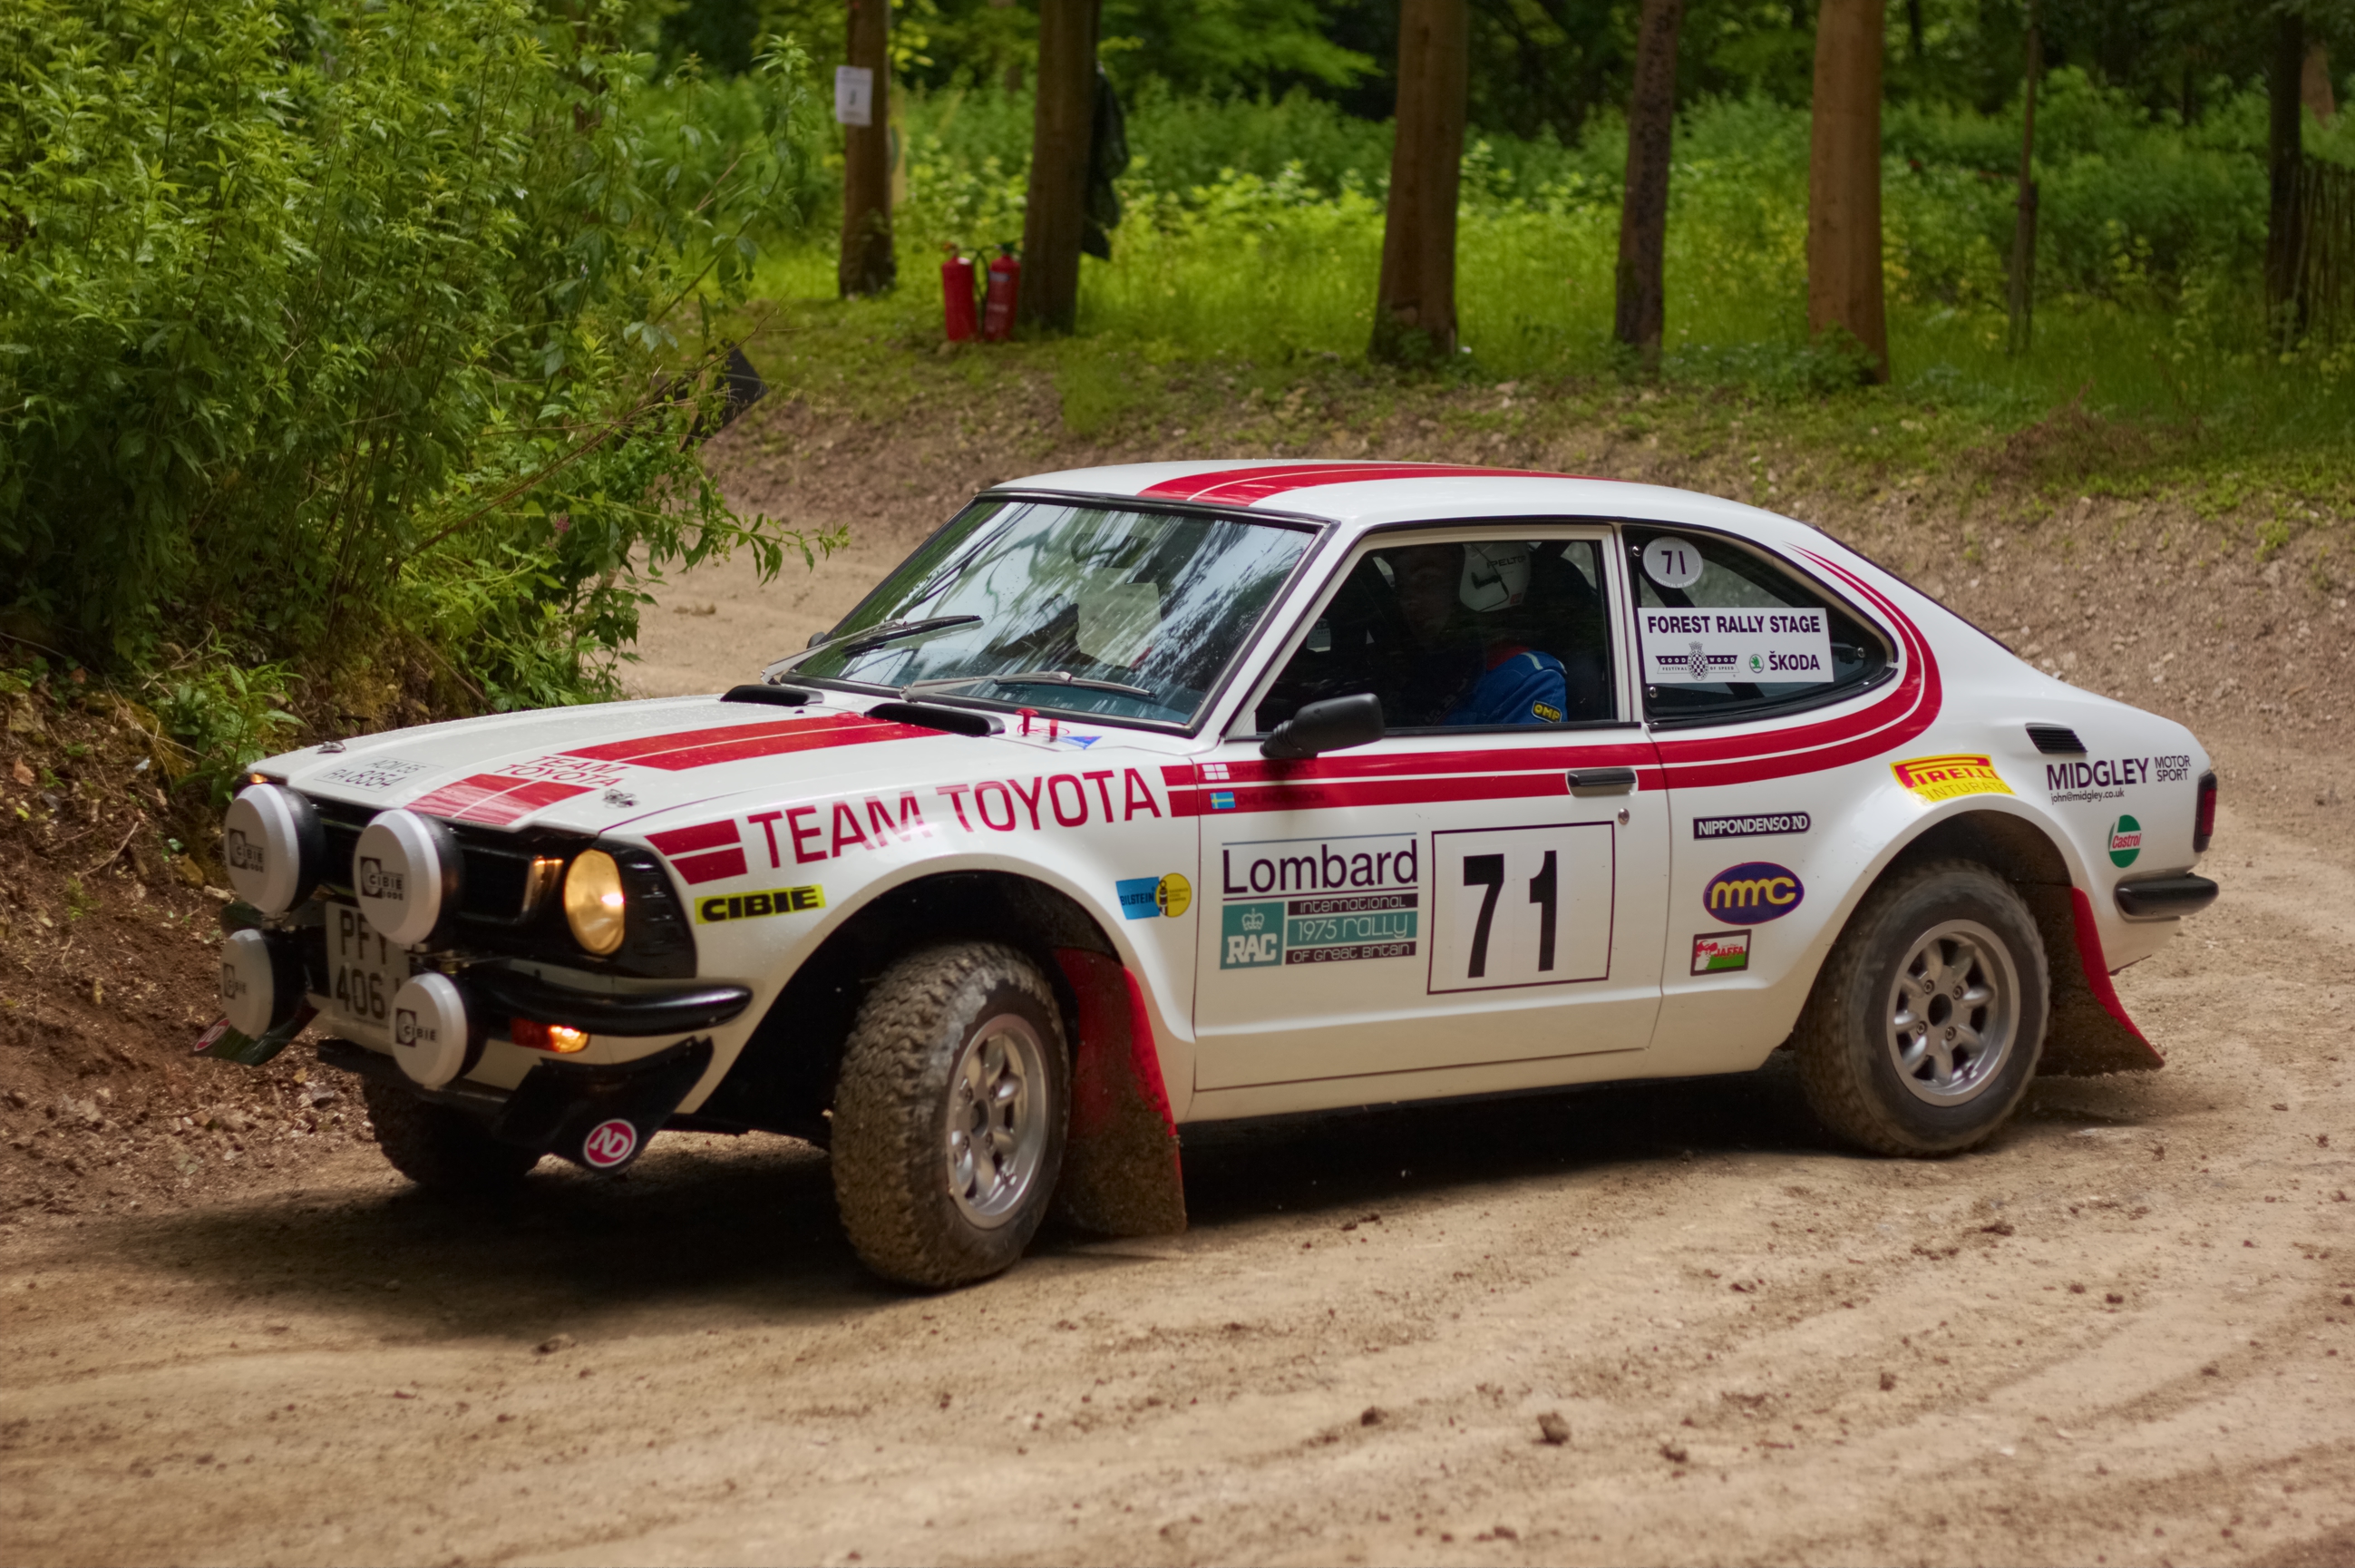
(1924, 1026)
(442, 1150)
(949, 1114)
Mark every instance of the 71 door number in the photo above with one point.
(1521, 906)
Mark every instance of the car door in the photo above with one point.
(1764, 686)
(1484, 885)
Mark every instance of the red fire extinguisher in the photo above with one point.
(956, 296)
(1005, 289)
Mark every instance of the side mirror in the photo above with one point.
(1333, 725)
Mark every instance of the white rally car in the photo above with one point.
(1185, 791)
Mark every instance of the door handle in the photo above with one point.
(1602, 781)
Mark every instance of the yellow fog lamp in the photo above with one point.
(594, 905)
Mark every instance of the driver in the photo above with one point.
(1460, 673)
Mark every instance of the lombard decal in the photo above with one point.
(1686, 647)
(1333, 899)
(1950, 777)
(1152, 898)
(2126, 841)
(721, 907)
(383, 774)
(1755, 892)
(1720, 952)
(1763, 825)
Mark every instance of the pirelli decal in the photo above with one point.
(721, 907)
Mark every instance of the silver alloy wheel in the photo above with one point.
(997, 1130)
(1952, 1013)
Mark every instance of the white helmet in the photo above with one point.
(1496, 576)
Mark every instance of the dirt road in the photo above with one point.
(2125, 1333)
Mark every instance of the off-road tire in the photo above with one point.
(893, 1157)
(1847, 1065)
(442, 1150)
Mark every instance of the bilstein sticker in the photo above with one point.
(1755, 892)
(1150, 898)
(2126, 841)
(721, 907)
(1719, 952)
(1950, 777)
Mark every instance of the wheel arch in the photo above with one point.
(2087, 1031)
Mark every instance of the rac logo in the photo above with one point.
(1754, 893)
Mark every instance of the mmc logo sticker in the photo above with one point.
(1754, 893)
(752, 906)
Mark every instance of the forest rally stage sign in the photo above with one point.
(1693, 647)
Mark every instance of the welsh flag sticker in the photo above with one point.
(2126, 841)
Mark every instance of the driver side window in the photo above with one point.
(1483, 631)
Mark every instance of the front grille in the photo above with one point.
(497, 914)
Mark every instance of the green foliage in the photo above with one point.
(374, 318)
(225, 718)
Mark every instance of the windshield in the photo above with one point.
(1076, 600)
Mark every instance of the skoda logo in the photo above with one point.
(376, 882)
(1753, 892)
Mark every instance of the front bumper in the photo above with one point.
(598, 1115)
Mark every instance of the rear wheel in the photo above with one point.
(949, 1114)
(1924, 1026)
(441, 1149)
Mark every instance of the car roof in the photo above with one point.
(1370, 493)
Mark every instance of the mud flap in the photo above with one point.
(1121, 1172)
(600, 1117)
(2088, 1033)
(223, 1043)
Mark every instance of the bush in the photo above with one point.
(373, 317)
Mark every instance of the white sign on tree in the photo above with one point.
(853, 95)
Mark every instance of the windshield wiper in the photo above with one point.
(878, 636)
(1031, 677)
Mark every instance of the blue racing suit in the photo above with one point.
(1520, 686)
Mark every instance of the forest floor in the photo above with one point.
(2124, 1332)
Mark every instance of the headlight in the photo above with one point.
(593, 903)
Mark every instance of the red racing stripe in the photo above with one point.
(1245, 486)
(493, 799)
(704, 836)
(689, 749)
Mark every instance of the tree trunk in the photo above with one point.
(1414, 308)
(866, 265)
(1644, 208)
(2314, 83)
(1058, 162)
(2284, 228)
(1844, 289)
(2023, 230)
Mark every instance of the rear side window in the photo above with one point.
(1725, 633)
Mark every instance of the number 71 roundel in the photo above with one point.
(1521, 906)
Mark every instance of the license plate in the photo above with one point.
(364, 971)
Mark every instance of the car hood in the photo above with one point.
(617, 766)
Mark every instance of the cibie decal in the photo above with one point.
(1950, 777)
(1765, 824)
(1150, 898)
(1755, 892)
(610, 1143)
(241, 853)
(1720, 952)
(2126, 841)
(1319, 901)
(718, 908)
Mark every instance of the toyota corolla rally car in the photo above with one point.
(1184, 791)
